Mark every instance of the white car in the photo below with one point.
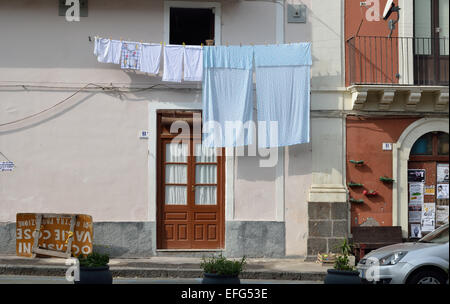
(422, 262)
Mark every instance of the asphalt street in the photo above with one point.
(11, 279)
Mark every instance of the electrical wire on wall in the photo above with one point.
(84, 88)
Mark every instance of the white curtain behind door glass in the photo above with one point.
(205, 195)
(176, 195)
(204, 154)
(176, 174)
(176, 153)
(205, 174)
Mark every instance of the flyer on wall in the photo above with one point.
(416, 231)
(442, 173)
(415, 194)
(441, 215)
(416, 175)
(442, 191)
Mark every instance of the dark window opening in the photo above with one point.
(192, 26)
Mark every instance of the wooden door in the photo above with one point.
(191, 195)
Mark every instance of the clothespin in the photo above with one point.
(201, 45)
(184, 44)
(121, 39)
(240, 43)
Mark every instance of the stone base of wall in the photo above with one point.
(138, 239)
(125, 239)
(328, 227)
(8, 238)
(255, 239)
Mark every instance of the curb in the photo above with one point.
(133, 272)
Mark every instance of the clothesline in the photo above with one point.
(180, 61)
(282, 86)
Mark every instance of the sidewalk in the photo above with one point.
(170, 267)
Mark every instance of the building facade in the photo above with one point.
(72, 127)
(397, 114)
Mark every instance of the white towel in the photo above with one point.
(173, 63)
(193, 63)
(107, 50)
(150, 58)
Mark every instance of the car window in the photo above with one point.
(439, 236)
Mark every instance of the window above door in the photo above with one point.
(192, 22)
(431, 146)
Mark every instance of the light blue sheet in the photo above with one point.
(227, 96)
(230, 57)
(294, 54)
(283, 94)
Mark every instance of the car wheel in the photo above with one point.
(428, 277)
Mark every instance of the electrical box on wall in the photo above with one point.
(296, 13)
(63, 7)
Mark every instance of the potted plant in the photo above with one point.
(94, 269)
(219, 270)
(343, 272)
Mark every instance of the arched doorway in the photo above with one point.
(428, 183)
(400, 159)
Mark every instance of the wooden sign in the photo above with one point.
(60, 235)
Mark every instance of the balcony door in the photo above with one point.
(431, 47)
(191, 188)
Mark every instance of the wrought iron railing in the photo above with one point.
(397, 60)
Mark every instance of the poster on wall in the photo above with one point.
(427, 225)
(442, 191)
(441, 215)
(430, 190)
(416, 231)
(429, 211)
(442, 173)
(415, 194)
(414, 214)
(416, 175)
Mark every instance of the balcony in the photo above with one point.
(386, 68)
(398, 61)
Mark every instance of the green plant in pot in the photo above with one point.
(220, 270)
(343, 272)
(94, 269)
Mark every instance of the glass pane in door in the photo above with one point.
(206, 174)
(205, 195)
(176, 195)
(443, 26)
(176, 174)
(176, 153)
(204, 154)
(422, 27)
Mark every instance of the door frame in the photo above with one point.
(226, 163)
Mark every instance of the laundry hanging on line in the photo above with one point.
(131, 55)
(282, 94)
(180, 62)
(227, 96)
(107, 50)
